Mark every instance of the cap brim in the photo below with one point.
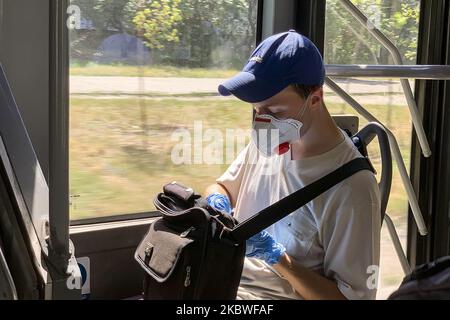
(246, 87)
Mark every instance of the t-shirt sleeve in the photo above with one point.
(232, 178)
(351, 237)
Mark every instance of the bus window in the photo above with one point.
(346, 42)
(143, 90)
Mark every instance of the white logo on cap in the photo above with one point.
(257, 59)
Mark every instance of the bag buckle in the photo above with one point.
(148, 252)
(187, 232)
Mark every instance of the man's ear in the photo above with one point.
(317, 97)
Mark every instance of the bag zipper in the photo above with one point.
(187, 280)
(186, 233)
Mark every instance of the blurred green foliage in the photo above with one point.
(349, 43)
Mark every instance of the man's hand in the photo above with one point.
(220, 202)
(308, 283)
(262, 246)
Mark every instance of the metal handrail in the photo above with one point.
(9, 278)
(395, 53)
(424, 72)
(397, 245)
(395, 152)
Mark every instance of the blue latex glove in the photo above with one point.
(219, 202)
(262, 246)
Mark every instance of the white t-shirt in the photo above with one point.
(336, 235)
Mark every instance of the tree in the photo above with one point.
(352, 44)
(193, 33)
(213, 27)
(108, 15)
(157, 23)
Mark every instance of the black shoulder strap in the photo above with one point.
(296, 200)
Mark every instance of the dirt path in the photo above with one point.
(365, 92)
(136, 85)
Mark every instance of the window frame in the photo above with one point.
(58, 182)
(430, 176)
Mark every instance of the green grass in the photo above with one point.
(148, 71)
(97, 194)
(126, 145)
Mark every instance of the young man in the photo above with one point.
(329, 249)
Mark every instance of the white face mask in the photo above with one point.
(272, 136)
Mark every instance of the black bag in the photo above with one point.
(196, 252)
(183, 254)
(430, 281)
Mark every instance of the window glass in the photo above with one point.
(143, 91)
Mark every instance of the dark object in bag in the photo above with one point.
(194, 252)
(430, 281)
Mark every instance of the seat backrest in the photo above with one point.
(348, 123)
(361, 140)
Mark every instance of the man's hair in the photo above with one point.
(304, 90)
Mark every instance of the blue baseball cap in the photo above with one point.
(279, 61)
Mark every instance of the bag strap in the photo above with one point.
(296, 200)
